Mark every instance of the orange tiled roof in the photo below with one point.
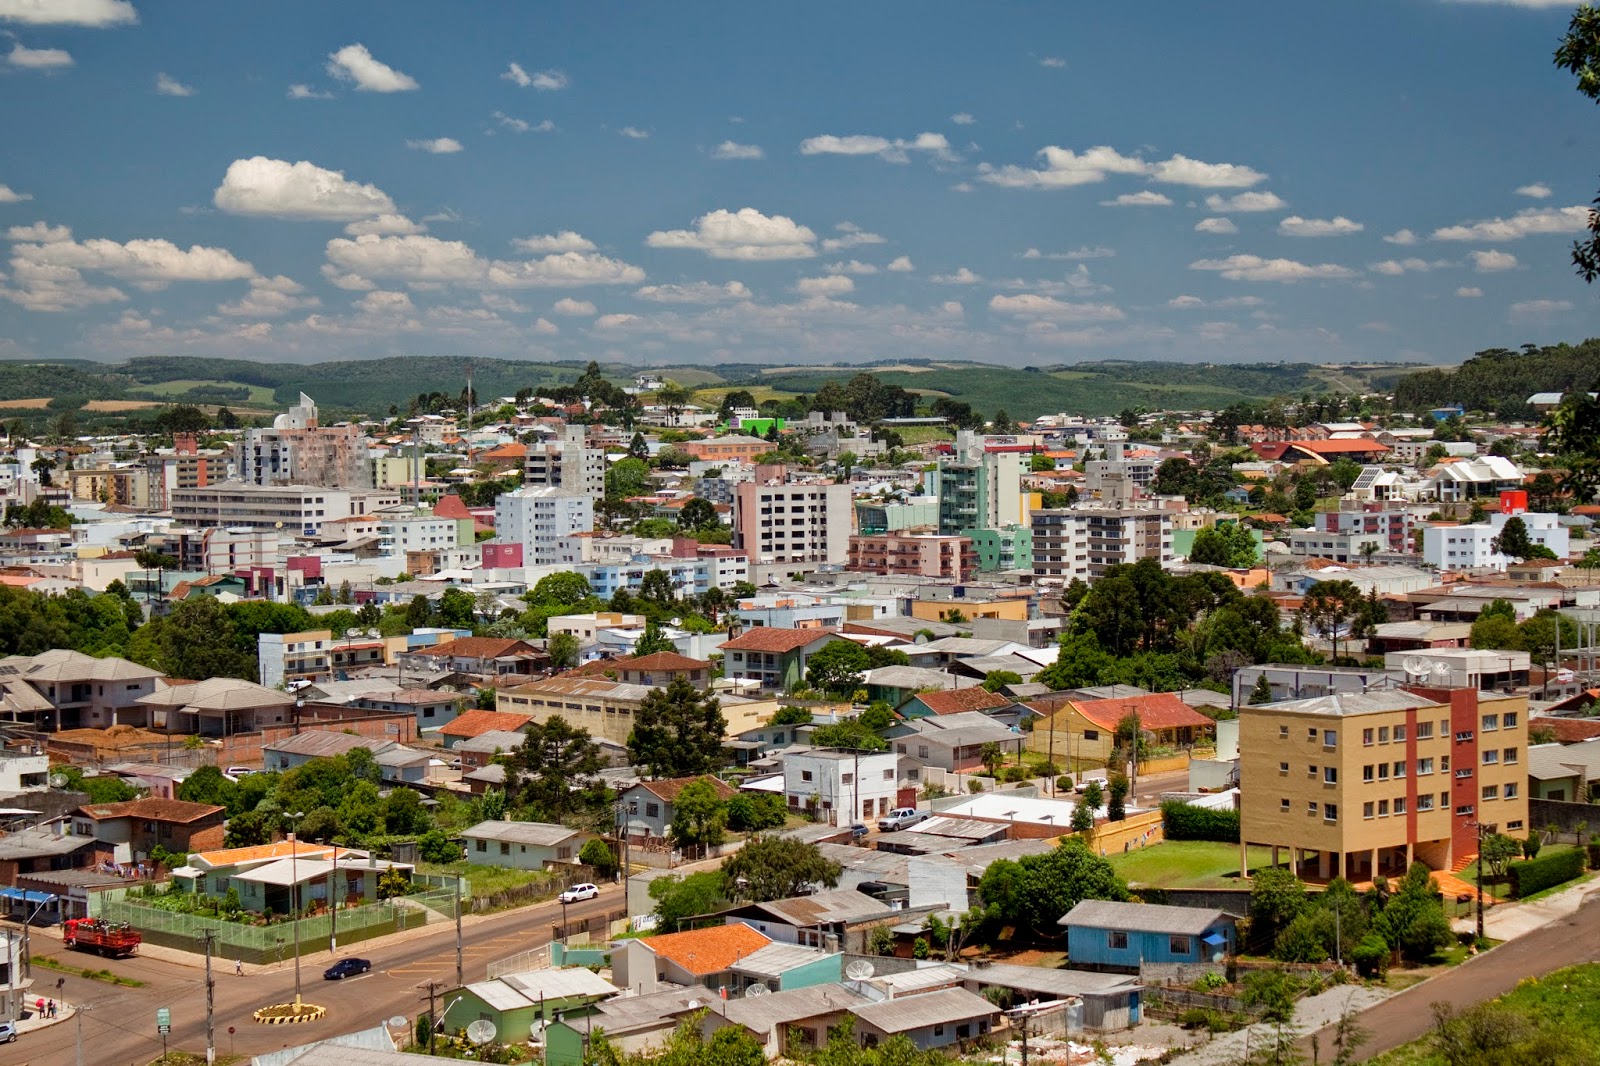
(710, 950)
(662, 660)
(667, 788)
(956, 700)
(475, 723)
(1159, 710)
(280, 850)
(773, 639)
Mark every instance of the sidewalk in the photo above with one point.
(1310, 1014)
(32, 1021)
(1510, 920)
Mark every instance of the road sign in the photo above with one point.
(163, 1020)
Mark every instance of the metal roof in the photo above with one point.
(1145, 917)
(774, 960)
(539, 834)
(943, 1007)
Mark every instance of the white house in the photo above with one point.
(847, 785)
(524, 845)
(1471, 546)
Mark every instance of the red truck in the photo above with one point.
(100, 936)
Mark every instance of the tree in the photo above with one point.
(651, 641)
(656, 588)
(564, 589)
(1277, 898)
(1330, 605)
(678, 731)
(1413, 918)
(1116, 804)
(1498, 850)
(1093, 797)
(433, 846)
(698, 513)
(555, 771)
(791, 716)
(627, 478)
(198, 640)
(1261, 693)
(850, 733)
(992, 758)
(1033, 892)
(836, 667)
(1579, 53)
(772, 867)
(752, 813)
(1228, 544)
(563, 651)
(689, 896)
(1082, 817)
(598, 854)
(698, 816)
(995, 680)
(674, 397)
(207, 785)
(1513, 541)
(247, 829)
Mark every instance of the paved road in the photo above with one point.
(121, 1029)
(1567, 941)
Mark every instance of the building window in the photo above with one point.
(1425, 802)
(1399, 805)
(1491, 722)
(505, 848)
(1311, 734)
(1383, 771)
(652, 810)
(1283, 804)
(1464, 810)
(805, 775)
(1399, 734)
(1383, 734)
(1283, 732)
(1490, 757)
(1510, 757)
(1330, 775)
(1511, 790)
(1515, 823)
(1178, 945)
(1330, 738)
(1283, 768)
(1366, 774)
(1463, 736)
(1399, 769)
(1094, 734)
(1366, 809)
(483, 845)
(1491, 792)
(1424, 767)
(1509, 720)
(1311, 808)
(1366, 737)
(1383, 808)
(1117, 940)
(1330, 812)
(1424, 730)
(1444, 764)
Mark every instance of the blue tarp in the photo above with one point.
(1214, 938)
(27, 897)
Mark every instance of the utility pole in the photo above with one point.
(81, 1007)
(433, 991)
(333, 911)
(459, 980)
(211, 1034)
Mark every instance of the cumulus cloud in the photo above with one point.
(436, 146)
(1053, 62)
(1531, 222)
(1032, 305)
(699, 292)
(38, 58)
(962, 118)
(421, 260)
(1146, 198)
(306, 92)
(385, 303)
(94, 13)
(1401, 236)
(1255, 268)
(1396, 267)
(901, 265)
(48, 287)
(353, 63)
(1216, 225)
(963, 276)
(1246, 202)
(1086, 251)
(634, 133)
(1194, 303)
(742, 234)
(39, 233)
(615, 321)
(8, 195)
(735, 150)
(544, 327)
(1492, 261)
(1537, 191)
(1469, 292)
(1064, 168)
(269, 298)
(852, 266)
(276, 188)
(1527, 311)
(1338, 226)
(565, 241)
(384, 226)
(149, 263)
(167, 85)
(568, 306)
(890, 151)
(853, 237)
(543, 80)
(824, 288)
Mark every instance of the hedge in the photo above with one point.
(1183, 821)
(1528, 876)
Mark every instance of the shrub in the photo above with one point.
(974, 785)
(1539, 873)
(1199, 1018)
(1183, 821)
(1531, 846)
(1371, 956)
(1015, 774)
(1064, 783)
(1210, 982)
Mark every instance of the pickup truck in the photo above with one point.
(900, 818)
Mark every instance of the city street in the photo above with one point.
(120, 1029)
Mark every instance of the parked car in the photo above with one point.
(578, 893)
(900, 818)
(858, 830)
(8, 1032)
(346, 968)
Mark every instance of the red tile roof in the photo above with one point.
(775, 640)
(479, 648)
(667, 788)
(710, 950)
(152, 809)
(663, 660)
(1341, 446)
(954, 701)
(476, 723)
(1568, 730)
(1159, 710)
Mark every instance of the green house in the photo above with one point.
(522, 1004)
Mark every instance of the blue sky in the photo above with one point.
(1024, 183)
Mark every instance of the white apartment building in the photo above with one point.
(1471, 546)
(566, 463)
(844, 786)
(1074, 543)
(540, 519)
(298, 450)
(403, 529)
(295, 509)
(797, 523)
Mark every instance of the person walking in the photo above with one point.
(238, 967)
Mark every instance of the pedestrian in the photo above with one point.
(238, 967)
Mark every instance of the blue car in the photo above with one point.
(346, 968)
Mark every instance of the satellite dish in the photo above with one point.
(58, 780)
(398, 1021)
(1415, 664)
(1441, 671)
(481, 1031)
(859, 970)
(693, 1004)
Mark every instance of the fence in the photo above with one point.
(273, 943)
(1172, 1002)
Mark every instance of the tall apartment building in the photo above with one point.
(800, 523)
(403, 529)
(298, 450)
(1117, 464)
(540, 518)
(295, 509)
(185, 467)
(566, 463)
(980, 489)
(1083, 543)
(1362, 784)
(1467, 547)
(919, 554)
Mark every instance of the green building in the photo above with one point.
(520, 1004)
(876, 517)
(1009, 548)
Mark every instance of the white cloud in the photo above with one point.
(1246, 202)
(348, 282)
(1469, 292)
(1086, 251)
(962, 118)
(167, 85)
(384, 226)
(901, 265)
(824, 288)
(1401, 236)
(565, 241)
(1396, 267)
(268, 298)
(276, 188)
(39, 233)
(1528, 311)
(421, 260)
(96, 13)
(735, 150)
(146, 262)
(890, 151)
(436, 146)
(616, 321)
(1053, 62)
(853, 266)
(568, 306)
(8, 195)
(1492, 261)
(1064, 168)
(699, 292)
(544, 327)
(1032, 305)
(39, 286)
(962, 276)
(495, 301)
(634, 133)
(953, 307)
(854, 237)
(1534, 220)
(306, 92)
(385, 303)
(742, 234)
(353, 63)
(1338, 226)
(1537, 191)
(1216, 225)
(1255, 268)
(38, 58)
(1145, 198)
(543, 80)
(1192, 303)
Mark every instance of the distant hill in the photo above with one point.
(1500, 380)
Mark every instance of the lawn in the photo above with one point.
(487, 881)
(1503, 889)
(1188, 864)
(259, 394)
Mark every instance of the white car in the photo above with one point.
(900, 818)
(578, 893)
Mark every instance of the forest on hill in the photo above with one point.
(1500, 380)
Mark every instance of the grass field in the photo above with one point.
(37, 403)
(488, 880)
(1187, 864)
(259, 394)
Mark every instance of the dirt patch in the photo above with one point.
(37, 404)
(121, 405)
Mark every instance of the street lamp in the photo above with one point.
(294, 902)
(1481, 830)
(333, 902)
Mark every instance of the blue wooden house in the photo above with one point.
(1105, 935)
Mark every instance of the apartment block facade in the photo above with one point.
(540, 519)
(918, 554)
(295, 509)
(795, 523)
(1073, 543)
(566, 463)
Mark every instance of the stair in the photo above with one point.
(1462, 863)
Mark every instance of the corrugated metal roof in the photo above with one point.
(1145, 917)
(944, 1007)
(541, 834)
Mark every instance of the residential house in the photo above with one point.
(953, 701)
(649, 804)
(480, 750)
(1107, 935)
(23, 771)
(397, 763)
(660, 669)
(476, 723)
(636, 1024)
(833, 920)
(77, 690)
(433, 708)
(43, 848)
(281, 885)
(928, 1019)
(521, 1003)
(774, 658)
(841, 786)
(953, 742)
(1567, 772)
(524, 845)
(1110, 1002)
(807, 1014)
(477, 657)
(703, 957)
(218, 707)
(134, 828)
(897, 684)
(1087, 729)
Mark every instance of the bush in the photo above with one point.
(1210, 982)
(1371, 956)
(1016, 774)
(1064, 783)
(1536, 874)
(974, 785)
(1199, 1018)
(1531, 846)
(1183, 821)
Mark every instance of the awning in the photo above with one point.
(1214, 939)
(27, 896)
